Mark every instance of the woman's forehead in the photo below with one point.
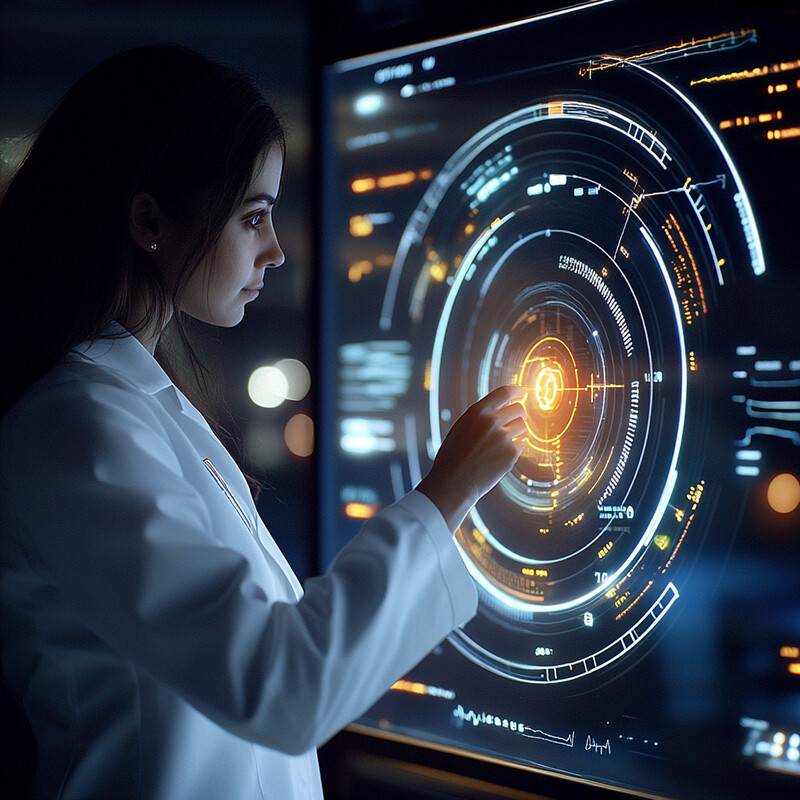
(266, 179)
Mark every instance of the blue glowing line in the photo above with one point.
(349, 64)
(398, 485)
(748, 472)
(412, 449)
(421, 216)
(741, 198)
(590, 663)
(672, 476)
(704, 229)
(764, 430)
(749, 455)
(791, 382)
(676, 311)
(788, 410)
(438, 342)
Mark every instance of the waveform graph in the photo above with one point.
(578, 252)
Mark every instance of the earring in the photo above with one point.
(153, 246)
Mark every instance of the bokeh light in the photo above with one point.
(298, 378)
(268, 387)
(783, 493)
(299, 435)
(288, 379)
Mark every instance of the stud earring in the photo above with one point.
(153, 246)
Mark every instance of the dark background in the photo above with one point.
(45, 45)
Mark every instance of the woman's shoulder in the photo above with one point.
(73, 380)
(79, 394)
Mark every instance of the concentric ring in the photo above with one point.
(577, 261)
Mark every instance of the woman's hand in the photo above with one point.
(478, 451)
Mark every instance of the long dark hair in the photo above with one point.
(162, 120)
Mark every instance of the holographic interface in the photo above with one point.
(610, 222)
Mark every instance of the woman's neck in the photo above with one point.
(145, 327)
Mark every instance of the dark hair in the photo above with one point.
(162, 120)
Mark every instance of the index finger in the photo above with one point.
(503, 395)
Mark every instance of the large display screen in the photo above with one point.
(600, 205)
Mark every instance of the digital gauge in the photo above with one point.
(598, 206)
(569, 248)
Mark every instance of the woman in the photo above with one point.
(154, 635)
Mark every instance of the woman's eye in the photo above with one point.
(256, 219)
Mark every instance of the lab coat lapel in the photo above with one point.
(124, 354)
(176, 401)
(188, 410)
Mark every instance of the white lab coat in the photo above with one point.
(159, 642)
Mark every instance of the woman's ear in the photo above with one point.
(146, 222)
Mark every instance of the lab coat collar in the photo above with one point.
(119, 350)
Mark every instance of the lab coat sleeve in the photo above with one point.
(102, 508)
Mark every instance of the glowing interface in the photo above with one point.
(609, 229)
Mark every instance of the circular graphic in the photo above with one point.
(571, 249)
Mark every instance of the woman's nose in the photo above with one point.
(272, 256)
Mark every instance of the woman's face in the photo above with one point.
(233, 273)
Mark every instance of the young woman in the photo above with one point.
(153, 634)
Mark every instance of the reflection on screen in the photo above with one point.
(608, 220)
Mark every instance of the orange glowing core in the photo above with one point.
(549, 386)
(550, 376)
